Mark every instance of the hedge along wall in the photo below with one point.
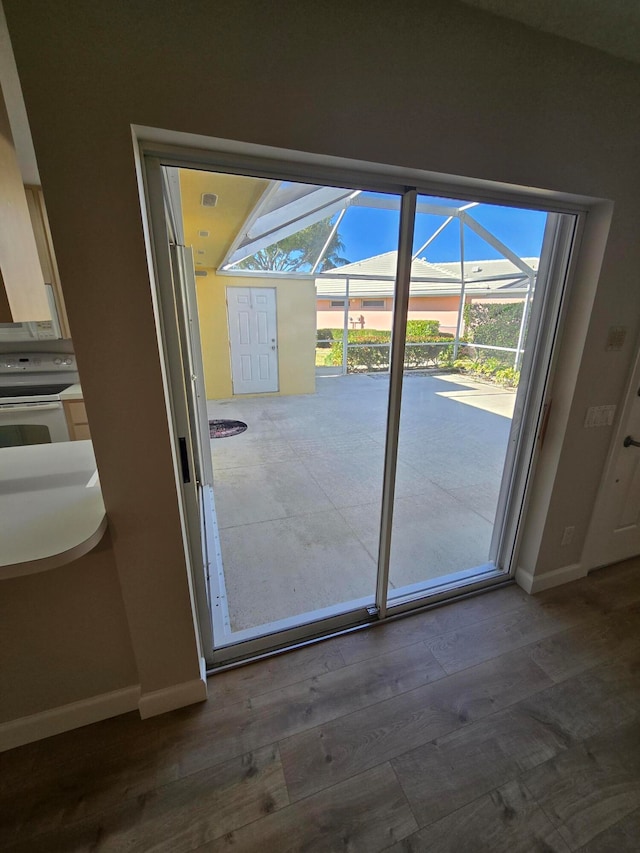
(370, 351)
(495, 324)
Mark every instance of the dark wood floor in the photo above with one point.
(500, 723)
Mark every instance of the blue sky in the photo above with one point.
(369, 231)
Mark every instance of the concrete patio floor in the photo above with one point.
(298, 494)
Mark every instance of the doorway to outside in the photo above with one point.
(388, 350)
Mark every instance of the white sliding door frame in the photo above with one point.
(406, 184)
(396, 374)
(559, 249)
(171, 318)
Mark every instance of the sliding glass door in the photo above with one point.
(467, 337)
(368, 360)
(295, 290)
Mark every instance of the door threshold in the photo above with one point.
(366, 621)
(232, 638)
(443, 585)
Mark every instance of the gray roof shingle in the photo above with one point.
(375, 276)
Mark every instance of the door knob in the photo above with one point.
(629, 442)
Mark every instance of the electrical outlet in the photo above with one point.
(567, 536)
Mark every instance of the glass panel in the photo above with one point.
(473, 276)
(17, 435)
(298, 485)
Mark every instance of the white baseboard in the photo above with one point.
(537, 583)
(66, 717)
(177, 696)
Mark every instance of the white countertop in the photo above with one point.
(73, 392)
(51, 507)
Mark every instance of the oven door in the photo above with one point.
(32, 423)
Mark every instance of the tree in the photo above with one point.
(299, 251)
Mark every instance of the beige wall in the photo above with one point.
(296, 321)
(63, 636)
(474, 96)
(441, 308)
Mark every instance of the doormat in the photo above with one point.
(221, 429)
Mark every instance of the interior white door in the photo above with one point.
(253, 339)
(615, 532)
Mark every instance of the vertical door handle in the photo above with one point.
(184, 460)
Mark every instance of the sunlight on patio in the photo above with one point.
(298, 494)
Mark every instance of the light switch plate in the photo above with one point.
(615, 338)
(599, 416)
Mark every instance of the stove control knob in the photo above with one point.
(68, 361)
(57, 361)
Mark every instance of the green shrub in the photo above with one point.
(364, 335)
(488, 366)
(371, 352)
(494, 324)
(420, 353)
(358, 334)
(335, 356)
(491, 368)
(324, 338)
(424, 328)
(464, 363)
(374, 356)
(425, 350)
(445, 359)
(508, 376)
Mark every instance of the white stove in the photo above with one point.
(31, 410)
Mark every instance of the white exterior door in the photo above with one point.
(616, 531)
(253, 339)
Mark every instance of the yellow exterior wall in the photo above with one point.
(296, 320)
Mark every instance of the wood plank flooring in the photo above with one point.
(500, 723)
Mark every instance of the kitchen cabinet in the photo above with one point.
(46, 255)
(77, 420)
(22, 275)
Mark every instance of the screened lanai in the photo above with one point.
(364, 288)
(297, 303)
